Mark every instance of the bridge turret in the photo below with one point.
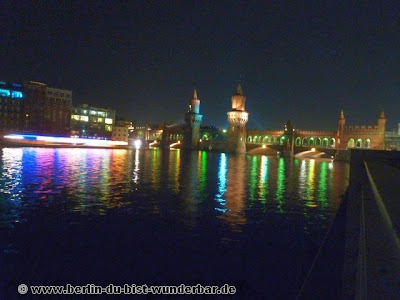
(194, 103)
(237, 119)
(340, 131)
(382, 122)
(193, 120)
(381, 130)
(238, 100)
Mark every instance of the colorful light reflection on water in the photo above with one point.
(226, 211)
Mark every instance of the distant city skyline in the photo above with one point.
(303, 62)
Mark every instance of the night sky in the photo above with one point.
(302, 61)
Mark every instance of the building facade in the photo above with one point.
(92, 122)
(46, 110)
(11, 107)
(57, 111)
(121, 131)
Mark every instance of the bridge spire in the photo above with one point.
(239, 89)
(194, 92)
(382, 115)
(341, 114)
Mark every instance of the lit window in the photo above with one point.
(15, 94)
(93, 112)
(108, 128)
(4, 93)
(100, 120)
(109, 121)
(84, 118)
(75, 117)
(101, 113)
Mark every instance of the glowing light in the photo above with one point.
(14, 137)
(65, 140)
(16, 94)
(313, 149)
(4, 93)
(108, 121)
(224, 130)
(138, 144)
(264, 146)
(200, 140)
(173, 145)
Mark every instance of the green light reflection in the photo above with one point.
(253, 180)
(280, 183)
(263, 183)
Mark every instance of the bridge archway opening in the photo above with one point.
(359, 143)
(311, 141)
(367, 143)
(154, 144)
(350, 143)
(332, 143)
(318, 142)
(263, 150)
(312, 154)
(297, 141)
(265, 139)
(325, 143)
(175, 145)
(305, 142)
(249, 139)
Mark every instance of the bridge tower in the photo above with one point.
(381, 129)
(340, 131)
(237, 118)
(193, 120)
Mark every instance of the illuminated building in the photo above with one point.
(11, 103)
(120, 131)
(92, 122)
(46, 110)
(237, 118)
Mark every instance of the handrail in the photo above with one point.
(382, 207)
(362, 283)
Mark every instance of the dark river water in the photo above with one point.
(102, 216)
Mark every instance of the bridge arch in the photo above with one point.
(304, 142)
(332, 143)
(311, 141)
(367, 143)
(318, 142)
(263, 150)
(359, 143)
(249, 139)
(265, 139)
(325, 143)
(350, 143)
(298, 141)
